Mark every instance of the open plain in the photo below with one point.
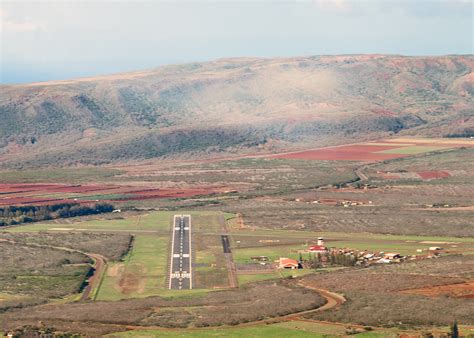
(113, 271)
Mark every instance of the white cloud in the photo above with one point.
(8, 24)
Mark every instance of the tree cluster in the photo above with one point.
(12, 215)
(332, 258)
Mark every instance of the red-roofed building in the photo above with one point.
(317, 249)
(288, 263)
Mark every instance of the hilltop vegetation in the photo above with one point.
(233, 105)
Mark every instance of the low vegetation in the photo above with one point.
(32, 274)
(216, 308)
(110, 245)
(375, 298)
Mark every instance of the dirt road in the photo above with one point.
(95, 280)
(332, 300)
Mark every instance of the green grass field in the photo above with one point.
(66, 175)
(286, 329)
(144, 271)
(258, 331)
(405, 245)
(148, 222)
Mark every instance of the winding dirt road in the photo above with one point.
(94, 280)
(332, 300)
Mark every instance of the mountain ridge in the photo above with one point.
(234, 105)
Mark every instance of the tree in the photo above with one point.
(454, 330)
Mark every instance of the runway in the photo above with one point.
(180, 275)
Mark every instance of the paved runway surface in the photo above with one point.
(180, 261)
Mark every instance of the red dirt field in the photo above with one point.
(35, 201)
(345, 153)
(430, 175)
(460, 290)
(20, 194)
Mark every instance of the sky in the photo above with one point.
(51, 40)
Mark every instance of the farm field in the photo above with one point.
(377, 151)
(41, 194)
(294, 328)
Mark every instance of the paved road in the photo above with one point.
(180, 260)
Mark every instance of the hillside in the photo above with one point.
(237, 105)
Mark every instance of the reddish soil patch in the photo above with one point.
(430, 175)
(133, 281)
(344, 153)
(129, 283)
(24, 194)
(387, 175)
(459, 290)
(33, 200)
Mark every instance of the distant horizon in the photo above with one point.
(97, 75)
(58, 40)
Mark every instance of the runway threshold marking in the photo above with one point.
(179, 277)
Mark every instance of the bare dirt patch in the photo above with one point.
(345, 153)
(433, 174)
(133, 281)
(115, 270)
(459, 290)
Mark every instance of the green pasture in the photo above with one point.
(405, 245)
(156, 221)
(145, 266)
(101, 197)
(66, 175)
(283, 329)
(256, 331)
(242, 255)
(413, 150)
(255, 277)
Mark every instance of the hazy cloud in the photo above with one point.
(8, 24)
(61, 39)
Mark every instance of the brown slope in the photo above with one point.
(234, 103)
